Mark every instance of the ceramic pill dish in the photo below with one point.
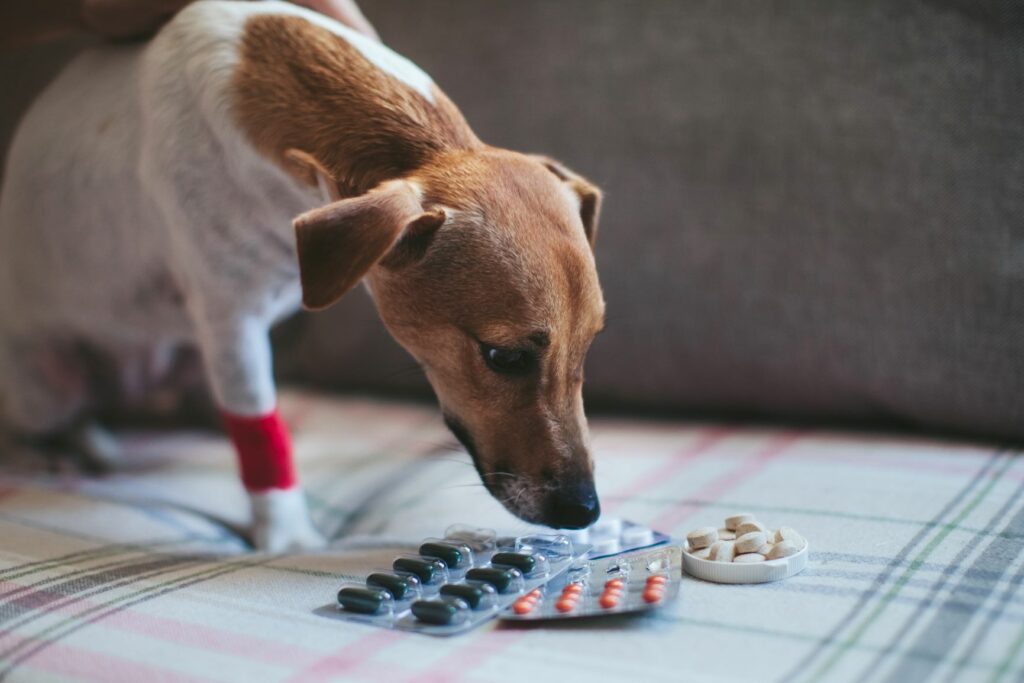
(759, 572)
(744, 551)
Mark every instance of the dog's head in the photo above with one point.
(481, 265)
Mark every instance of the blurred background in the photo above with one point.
(813, 211)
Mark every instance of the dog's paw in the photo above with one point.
(281, 523)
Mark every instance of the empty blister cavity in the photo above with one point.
(554, 547)
(480, 541)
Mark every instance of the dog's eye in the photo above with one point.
(507, 361)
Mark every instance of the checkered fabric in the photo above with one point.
(916, 559)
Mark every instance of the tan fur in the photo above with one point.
(463, 245)
(299, 86)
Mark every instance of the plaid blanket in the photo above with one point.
(915, 574)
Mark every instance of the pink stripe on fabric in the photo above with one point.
(469, 657)
(704, 443)
(923, 463)
(680, 512)
(174, 631)
(77, 662)
(347, 657)
(213, 639)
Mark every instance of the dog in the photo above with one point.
(255, 157)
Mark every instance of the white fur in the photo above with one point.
(280, 521)
(127, 180)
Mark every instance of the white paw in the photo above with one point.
(281, 523)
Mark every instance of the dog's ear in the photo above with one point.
(338, 243)
(589, 195)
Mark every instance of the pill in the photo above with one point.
(652, 595)
(750, 525)
(702, 538)
(723, 551)
(398, 586)
(362, 600)
(471, 595)
(750, 542)
(617, 583)
(735, 520)
(500, 578)
(608, 601)
(657, 579)
(565, 605)
(426, 570)
(765, 549)
(449, 554)
(789, 534)
(439, 612)
(747, 558)
(605, 546)
(607, 528)
(782, 549)
(535, 593)
(726, 534)
(521, 561)
(637, 536)
(573, 588)
(523, 605)
(703, 553)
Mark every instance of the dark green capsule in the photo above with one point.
(471, 595)
(436, 612)
(448, 554)
(522, 562)
(361, 600)
(497, 577)
(425, 569)
(398, 586)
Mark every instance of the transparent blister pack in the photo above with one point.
(614, 536)
(627, 583)
(458, 581)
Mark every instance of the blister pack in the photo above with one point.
(457, 582)
(632, 582)
(614, 536)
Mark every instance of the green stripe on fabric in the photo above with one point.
(801, 637)
(930, 547)
(1011, 655)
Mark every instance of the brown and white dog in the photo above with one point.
(150, 203)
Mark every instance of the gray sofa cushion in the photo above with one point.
(812, 210)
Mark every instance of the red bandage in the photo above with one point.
(264, 450)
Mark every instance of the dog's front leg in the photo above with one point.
(238, 359)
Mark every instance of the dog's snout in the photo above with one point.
(572, 508)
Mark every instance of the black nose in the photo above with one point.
(575, 508)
